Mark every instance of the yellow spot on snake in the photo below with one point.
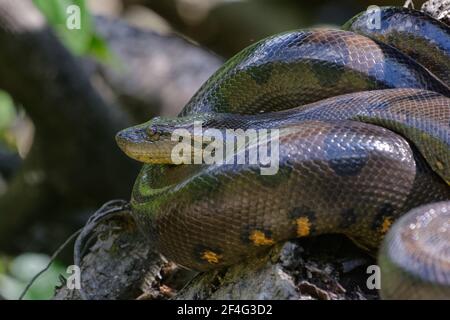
(439, 165)
(211, 257)
(423, 135)
(260, 239)
(387, 222)
(303, 227)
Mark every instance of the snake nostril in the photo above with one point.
(155, 137)
(119, 137)
(152, 133)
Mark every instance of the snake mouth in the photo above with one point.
(133, 141)
(136, 143)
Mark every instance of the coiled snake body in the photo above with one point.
(363, 118)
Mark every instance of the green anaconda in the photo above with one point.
(362, 118)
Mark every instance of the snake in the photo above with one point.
(359, 119)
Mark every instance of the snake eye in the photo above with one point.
(153, 134)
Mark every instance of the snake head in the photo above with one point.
(139, 143)
(153, 141)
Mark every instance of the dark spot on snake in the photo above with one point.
(302, 211)
(345, 157)
(329, 76)
(272, 181)
(386, 210)
(348, 218)
(261, 74)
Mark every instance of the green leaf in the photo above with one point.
(7, 111)
(80, 41)
(99, 48)
(25, 267)
(57, 14)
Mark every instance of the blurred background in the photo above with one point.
(64, 93)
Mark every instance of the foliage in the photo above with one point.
(7, 117)
(82, 41)
(16, 273)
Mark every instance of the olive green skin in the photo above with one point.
(340, 172)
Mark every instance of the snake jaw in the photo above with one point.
(144, 146)
(153, 142)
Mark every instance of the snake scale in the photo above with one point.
(363, 116)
